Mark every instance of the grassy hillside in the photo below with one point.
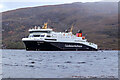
(97, 20)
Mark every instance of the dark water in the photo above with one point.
(59, 64)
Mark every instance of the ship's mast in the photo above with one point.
(71, 29)
(45, 26)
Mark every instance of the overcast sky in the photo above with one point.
(6, 5)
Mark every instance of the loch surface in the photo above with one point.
(59, 64)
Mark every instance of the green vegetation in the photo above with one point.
(14, 45)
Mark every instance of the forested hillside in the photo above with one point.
(98, 21)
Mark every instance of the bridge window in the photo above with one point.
(39, 31)
(36, 35)
(48, 36)
(42, 35)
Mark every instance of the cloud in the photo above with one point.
(1, 6)
(65, 1)
(110, 0)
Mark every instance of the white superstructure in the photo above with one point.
(48, 35)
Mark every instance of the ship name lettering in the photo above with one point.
(66, 45)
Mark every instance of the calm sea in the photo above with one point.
(59, 64)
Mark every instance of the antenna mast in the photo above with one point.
(71, 28)
(45, 25)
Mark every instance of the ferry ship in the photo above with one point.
(46, 39)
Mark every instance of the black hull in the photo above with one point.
(56, 46)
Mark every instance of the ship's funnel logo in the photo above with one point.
(79, 34)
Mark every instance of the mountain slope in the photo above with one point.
(97, 20)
